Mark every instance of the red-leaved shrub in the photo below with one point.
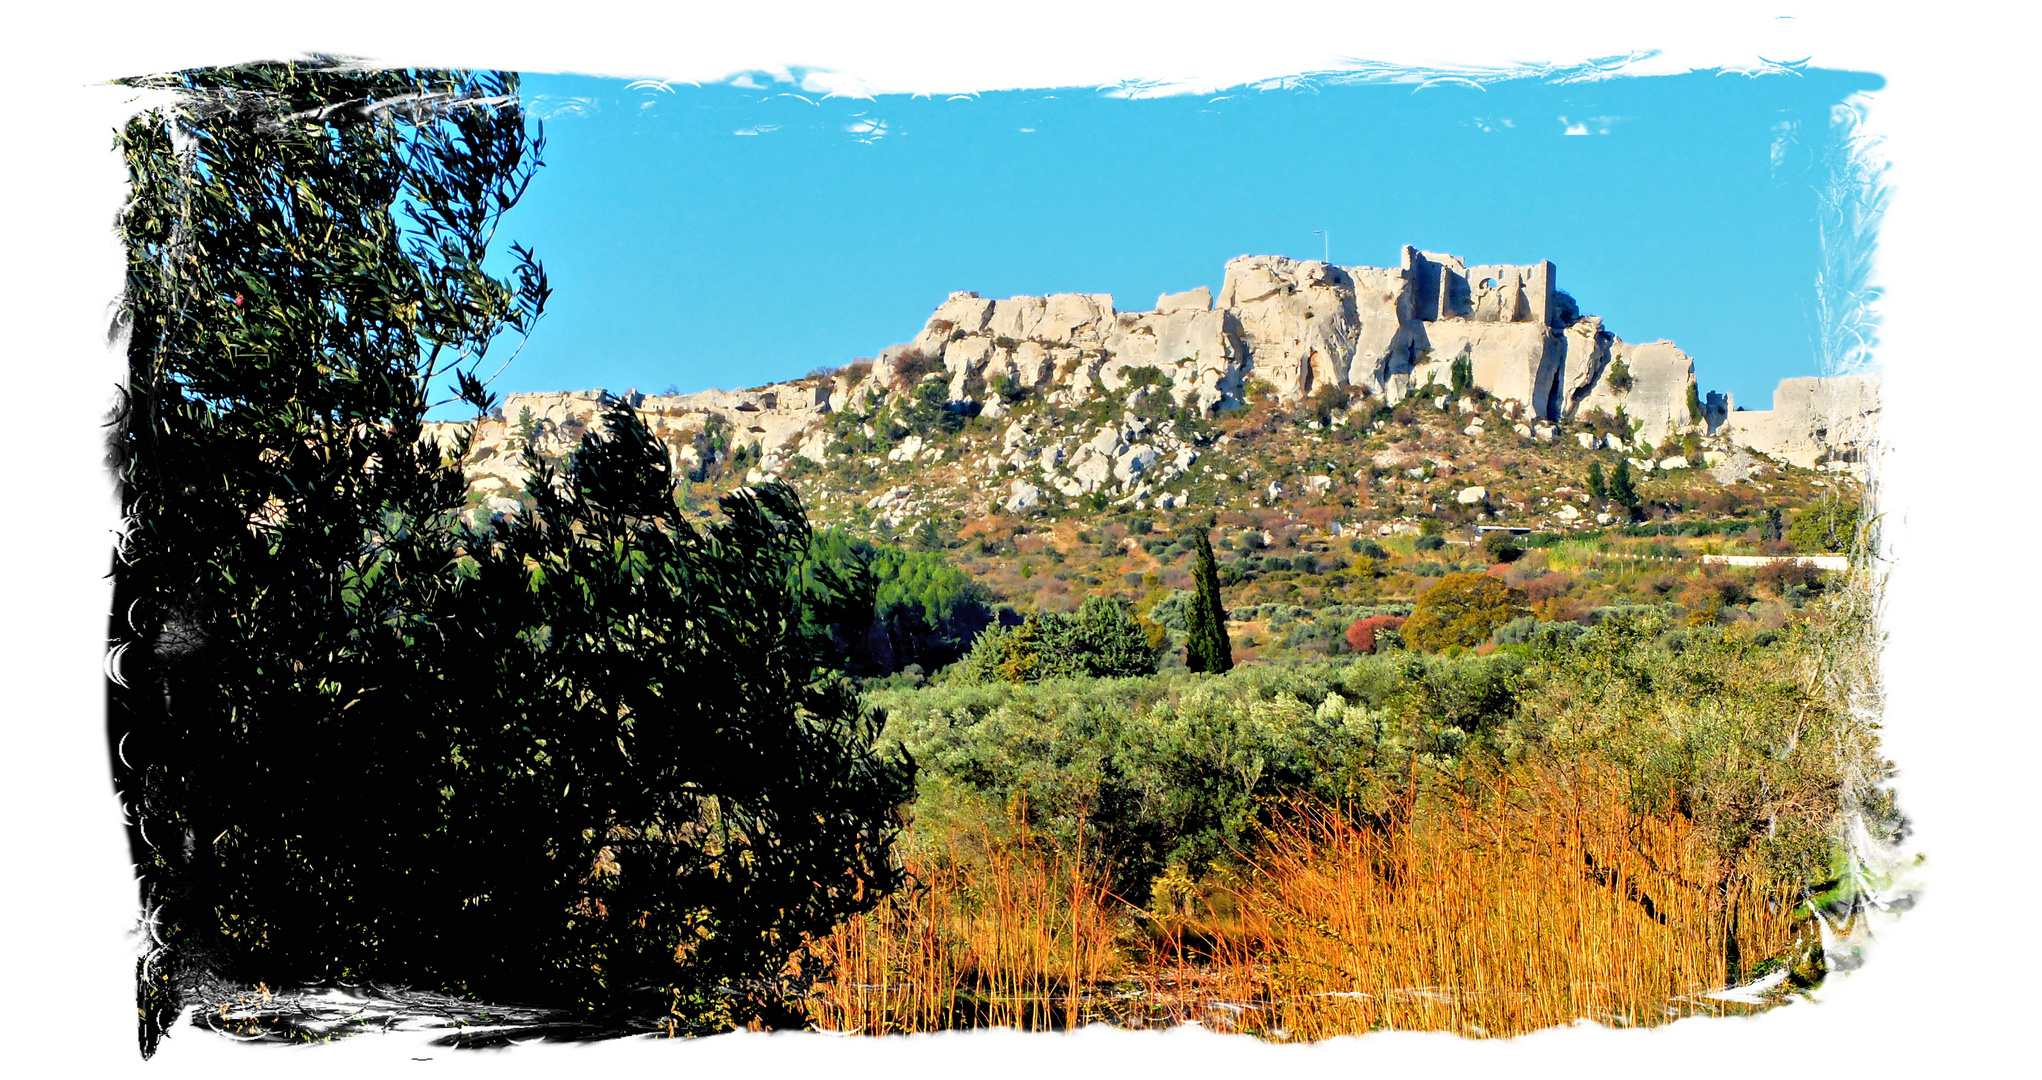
(1361, 636)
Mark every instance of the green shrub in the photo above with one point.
(1619, 376)
(1101, 639)
(1179, 769)
(1828, 525)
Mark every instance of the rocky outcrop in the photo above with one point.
(775, 420)
(1811, 419)
(1299, 325)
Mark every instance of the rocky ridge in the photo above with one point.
(1071, 402)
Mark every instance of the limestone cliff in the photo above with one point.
(1293, 326)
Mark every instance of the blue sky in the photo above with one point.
(731, 235)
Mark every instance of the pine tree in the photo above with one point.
(1598, 488)
(1208, 648)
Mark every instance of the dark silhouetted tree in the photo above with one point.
(591, 756)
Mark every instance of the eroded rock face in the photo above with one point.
(1300, 325)
(1811, 418)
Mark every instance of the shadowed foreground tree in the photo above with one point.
(594, 757)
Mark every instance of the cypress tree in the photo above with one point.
(1622, 491)
(1208, 648)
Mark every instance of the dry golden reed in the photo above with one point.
(998, 931)
(1529, 901)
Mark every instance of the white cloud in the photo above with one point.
(837, 84)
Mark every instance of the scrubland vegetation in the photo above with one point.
(1607, 827)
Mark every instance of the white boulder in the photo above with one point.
(1133, 462)
(1469, 496)
(1023, 496)
(888, 497)
(907, 450)
(1092, 469)
(1107, 442)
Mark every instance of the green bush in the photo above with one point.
(1101, 639)
(1364, 546)
(1619, 376)
(1179, 768)
(1830, 524)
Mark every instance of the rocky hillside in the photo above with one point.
(1062, 399)
(1306, 407)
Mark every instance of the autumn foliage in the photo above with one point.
(1463, 609)
(1361, 635)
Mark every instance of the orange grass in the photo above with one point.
(995, 932)
(1537, 901)
(1547, 903)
